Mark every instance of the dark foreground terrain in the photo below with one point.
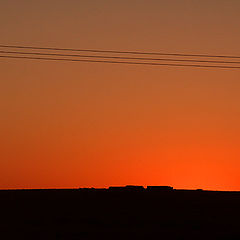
(119, 214)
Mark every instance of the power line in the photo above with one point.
(119, 52)
(119, 57)
(122, 62)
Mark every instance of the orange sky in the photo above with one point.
(81, 124)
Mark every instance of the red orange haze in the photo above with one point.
(67, 125)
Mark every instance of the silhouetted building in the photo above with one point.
(127, 188)
(159, 188)
(133, 187)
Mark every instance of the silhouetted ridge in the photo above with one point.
(127, 212)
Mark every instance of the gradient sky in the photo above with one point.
(84, 124)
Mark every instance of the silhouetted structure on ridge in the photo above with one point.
(140, 188)
(159, 188)
(130, 188)
(127, 188)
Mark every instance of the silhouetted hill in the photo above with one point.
(119, 213)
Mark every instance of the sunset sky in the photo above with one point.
(65, 125)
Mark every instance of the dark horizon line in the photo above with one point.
(120, 188)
